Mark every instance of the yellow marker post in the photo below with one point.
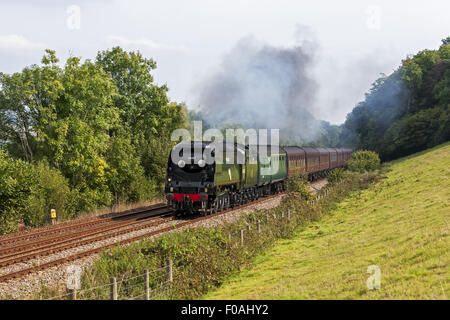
(53, 215)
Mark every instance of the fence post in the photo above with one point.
(113, 288)
(242, 237)
(169, 270)
(258, 227)
(73, 294)
(147, 284)
(248, 227)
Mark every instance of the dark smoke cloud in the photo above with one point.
(262, 86)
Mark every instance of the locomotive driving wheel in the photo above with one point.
(226, 201)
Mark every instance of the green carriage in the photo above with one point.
(272, 170)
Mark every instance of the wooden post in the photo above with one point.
(169, 270)
(113, 288)
(242, 237)
(258, 227)
(147, 284)
(73, 294)
(248, 227)
(267, 218)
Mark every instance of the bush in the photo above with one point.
(28, 192)
(16, 185)
(297, 184)
(335, 175)
(51, 191)
(364, 161)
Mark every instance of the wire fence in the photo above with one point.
(149, 285)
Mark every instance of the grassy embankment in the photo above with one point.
(400, 224)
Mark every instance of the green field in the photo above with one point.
(400, 224)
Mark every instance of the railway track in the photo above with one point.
(116, 225)
(86, 229)
(79, 240)
(76, 224)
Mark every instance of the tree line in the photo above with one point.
(82, 135)
(407, 111)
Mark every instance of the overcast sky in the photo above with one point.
(355, 40)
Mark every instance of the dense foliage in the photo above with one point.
(101, 126)
(335, 175)
(363, 161)
(298, 184)
(407, 111)
(29, 191)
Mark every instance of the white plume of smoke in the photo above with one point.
(263, 86)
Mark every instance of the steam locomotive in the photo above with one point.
(199, 183)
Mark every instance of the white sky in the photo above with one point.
(188, 38)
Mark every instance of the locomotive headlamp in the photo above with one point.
(181, 163)
(171, 189)
(169, 179)
(201, 163)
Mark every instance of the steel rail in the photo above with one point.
(70, 243)
(39, 232)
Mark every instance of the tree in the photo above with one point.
(82, 135)
(146, 112)
(406, 111)
(363, 161)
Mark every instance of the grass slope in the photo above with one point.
(400, 224)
